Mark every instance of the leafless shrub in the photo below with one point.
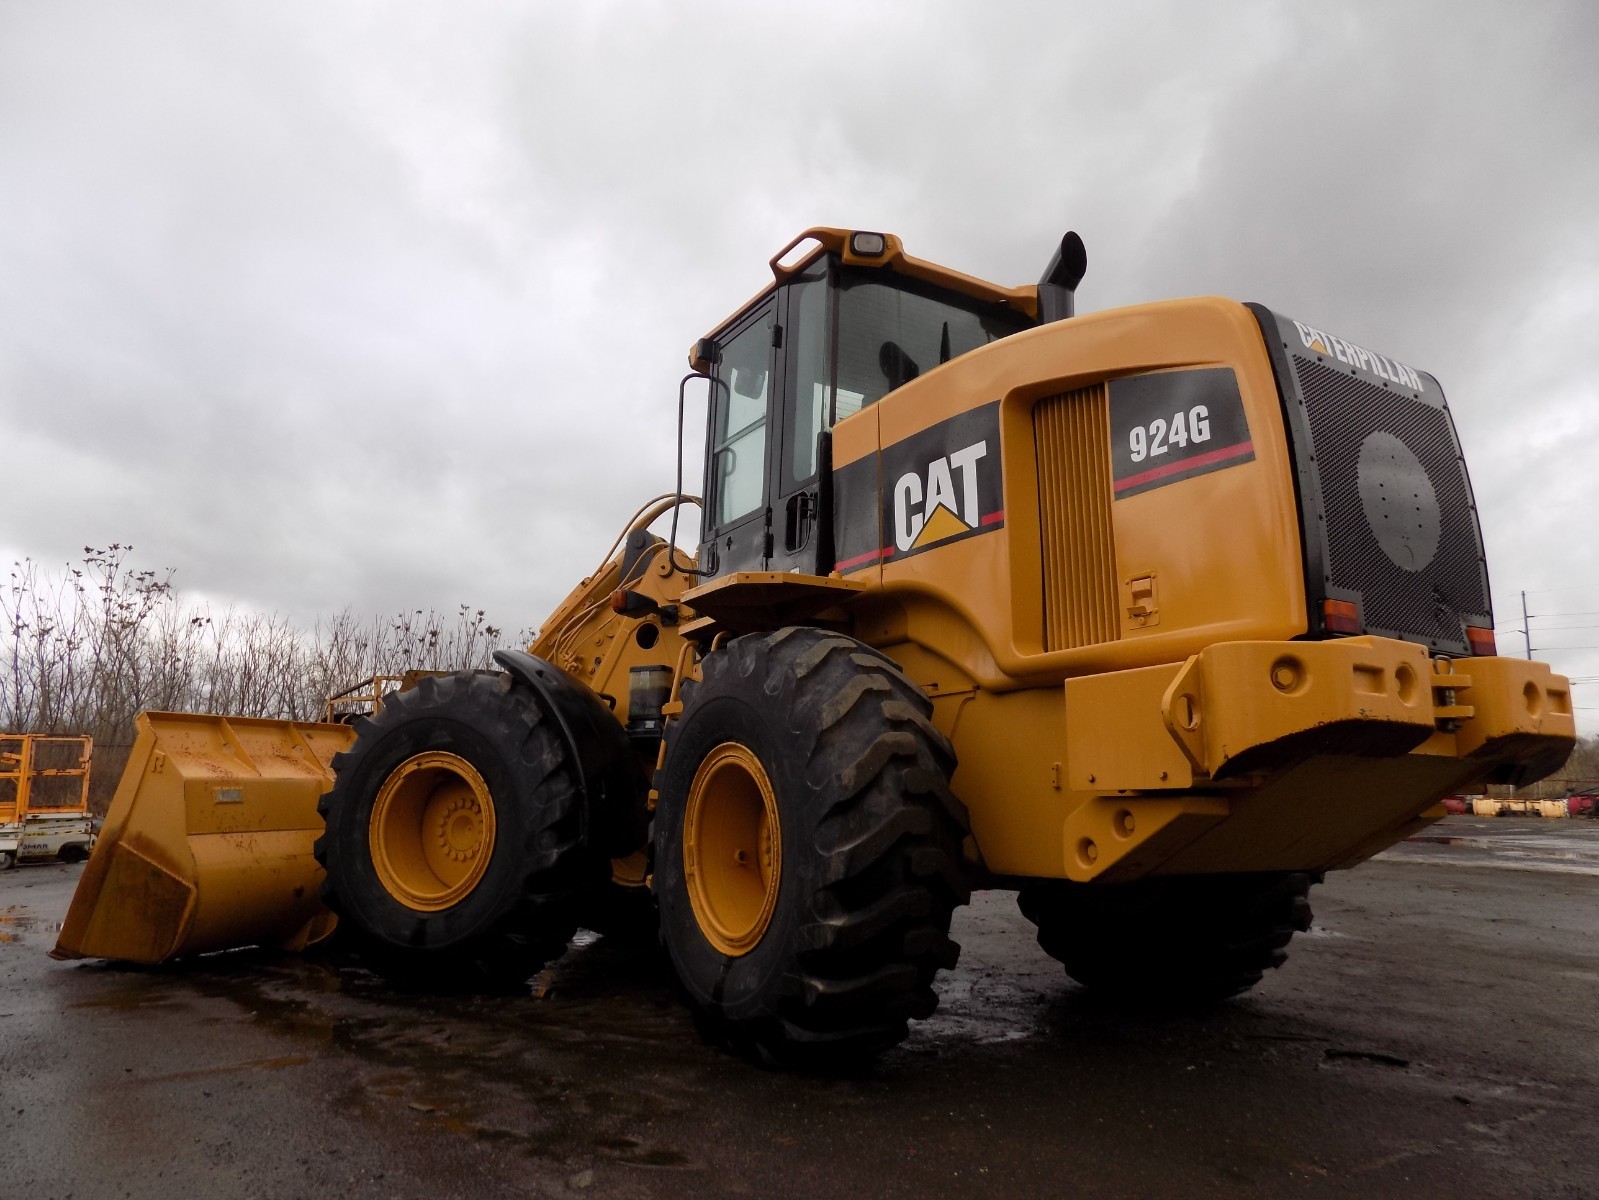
(84, 650)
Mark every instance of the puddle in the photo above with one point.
(257, 1064)
(1528, 863)
(17, 922)
(1573, 852)
(140, 997)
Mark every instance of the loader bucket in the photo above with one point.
(208, 842)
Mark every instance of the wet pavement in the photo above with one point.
(1437, 1034)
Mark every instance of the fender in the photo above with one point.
(614, 784)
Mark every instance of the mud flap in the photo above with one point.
(208, 843)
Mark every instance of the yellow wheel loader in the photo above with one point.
(1152, 615)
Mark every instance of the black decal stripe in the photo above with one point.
(857, 539)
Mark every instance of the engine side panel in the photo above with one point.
(1104, 493)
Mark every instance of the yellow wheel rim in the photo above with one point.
(732, 849)
(432, 831)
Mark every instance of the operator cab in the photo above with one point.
(848, 322)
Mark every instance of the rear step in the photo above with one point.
(208, 842)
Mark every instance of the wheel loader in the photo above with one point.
(1151, 615)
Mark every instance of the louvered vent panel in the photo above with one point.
(1071, 435)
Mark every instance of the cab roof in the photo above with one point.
(865, 248)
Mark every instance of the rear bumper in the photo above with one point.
(1258, 756)
(1242, 706)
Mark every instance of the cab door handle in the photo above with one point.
(799, 519)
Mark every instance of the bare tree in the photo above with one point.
(84, 650)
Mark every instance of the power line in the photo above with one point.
(1545, 629)
(1570, 587)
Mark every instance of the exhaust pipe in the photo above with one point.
(1057, 290)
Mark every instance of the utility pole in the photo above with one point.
(1526, 638)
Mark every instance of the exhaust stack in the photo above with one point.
(1057, 290)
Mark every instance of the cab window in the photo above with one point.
(738, 464)
(892, 329)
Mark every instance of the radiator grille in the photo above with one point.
(1425, 601)
(1071, 434)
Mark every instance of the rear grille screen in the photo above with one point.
(1071, 432)
(1400, 525)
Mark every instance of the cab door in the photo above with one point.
(771, 408)
(737, 498)
(801, 535)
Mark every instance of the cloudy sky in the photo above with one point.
(357, 304)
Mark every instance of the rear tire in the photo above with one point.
(75, 853)
(1187, 940)
(807, 849)
(454, 845)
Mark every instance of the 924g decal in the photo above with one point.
(1174, 425)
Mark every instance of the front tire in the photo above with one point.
(807, 849)
(454, 844)
(1171, 941)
